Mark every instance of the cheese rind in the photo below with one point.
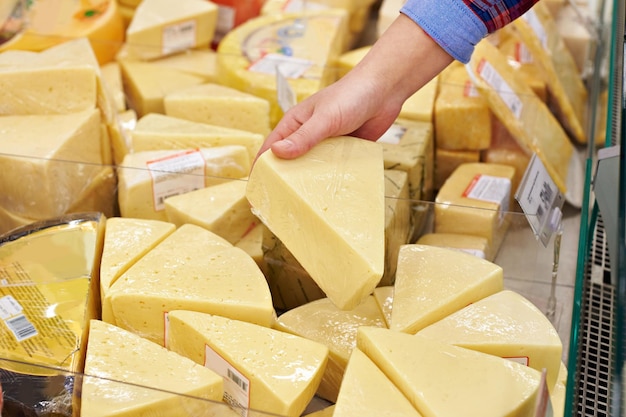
(432, 283)
(315, 205)
(283, 370)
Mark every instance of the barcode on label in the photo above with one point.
(235, 378)
(22, 328)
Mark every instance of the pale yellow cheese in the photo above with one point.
(432, 283)
(252, 243)
(249, 54)
(324, 412)
(384, 300)
(463, 206)
(397, 220)
(48, 160)
(119, 132)
(147, 178)
(462, 117)
(315, 205)
(504, 324)
(125, 242)
(146, 84)
(421, 105)
(221, 208)
(367, 392)
(449, 381)
(99, 195)
(474, 245)
(191, 269)
(112, 79)
(323, 322)
(129, 375)
(282, 370)
(199, 62)
(446, 161)
(161, 27)
(157, 131)
(558, 393)
(219, 105)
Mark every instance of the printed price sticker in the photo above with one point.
(489, 188)
(489, 74)
(540, 200)
(290, 67)
(178, 37)
(236, 385)
(535, 24)
(393, 135)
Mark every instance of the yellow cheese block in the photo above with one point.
(48, 161)
(221, 208)
(191, 269)
(126, 241)
(51, 22)
(504, 324)
(316, 204)
(449, 381)
(252, 243)
(367, 392)
(474, 200)
(304, 45)
(558, 393)
(474, 245)
(157, 131)
(462, 116)
(397, 220)
(421, 105)
(99, 195)
(147, 178)
(263, 369)
(129, 375)
(50, 292)
(432, 283)
(522, 61)
(112, 80)
(147, 84)
(384, 300)
(219, 105)
(323, 322)
(199, 62)
(446, 161)
(324, 412)
(119, 132)
(161, 27)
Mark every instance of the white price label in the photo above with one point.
(535, 24)
(290, 67)
(178, 37)
(9, 307)
(489, 74)
(489, 188)
(236, 385)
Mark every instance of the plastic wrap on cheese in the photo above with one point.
(49, 291)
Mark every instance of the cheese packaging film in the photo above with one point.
(328, 208)
(49, 291)
(115, 355)
(148, 178)
(161, 27)
(263, 369)
(191, 269)
(433, 282)
(502, 325)
(449, 381)
(323, 322)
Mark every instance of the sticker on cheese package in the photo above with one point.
(393, 135)
(470, 90)
(490, 188)
(236, 385)
(176, 174)
(535, 24)
(522, 54)
(290, 67)
(178, 37)
(488, 73)
(11, 312)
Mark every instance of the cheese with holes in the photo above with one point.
(323, 322)
(147, 84)
(462, 117)
(48, 160)
(367, 392)
(504, 324)
(128, 374)
(146, 179)
(191, 269)
(156, 132)
(474, 245)
(449, 381)
(474, 200)
(221, 208)
(161, 27)
(219, 105)
(250, 53)
(316, 204)
(272, 371)
(433, 282)
(126, 241)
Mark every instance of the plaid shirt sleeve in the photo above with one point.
(458, 25)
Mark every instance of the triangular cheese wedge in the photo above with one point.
(323, 322)
(126, 240)
(448, 381)
(504, 324)
(384, 299)
(367, 392)
(328, 208)
(272, 371)
(129, 375)
(191, 269)
(433, 282)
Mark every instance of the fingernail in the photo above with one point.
(284, 145)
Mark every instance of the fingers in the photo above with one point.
(301, 140)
